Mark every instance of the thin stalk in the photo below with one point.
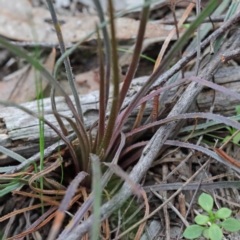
(66, 59)
(97, 192)
(136, 55)
(102, 102)
(54, 109)
(115, 102)
(107, 47)
(39, 92)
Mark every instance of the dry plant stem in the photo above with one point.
(191, 19)
(141, 227)
(182, 205)
(227, 201)
(8, 227)
(60, 214)
(172, 33)
(151, 150)
(165, 208)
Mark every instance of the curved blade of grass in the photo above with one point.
(54, 109)
(195, 79)
(47, 152)
(208, 124)
(12, 154)
(96, 191)
(66, 59)
(61, 135)
(84, 147)
(215, 117)
(203, 150)
(21, 53)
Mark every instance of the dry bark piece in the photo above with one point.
(20, 131)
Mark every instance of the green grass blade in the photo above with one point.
(12, 154)
(97, 190)
(10, 188)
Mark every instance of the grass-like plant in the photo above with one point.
(88, 151)
(212, 224)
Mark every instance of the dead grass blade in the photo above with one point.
(203, 150)
(60, 214)
(16, 212)
(147, 210)
(39, 224)
(215, 117)
(55, 165)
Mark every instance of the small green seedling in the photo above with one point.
(211, 224)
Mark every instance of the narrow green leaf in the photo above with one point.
(201, 219)
(193, 231)
(215, 232)
(12, 154)
(231, 225)
(10, 188)
(97, 190)
(206, 202)
(223, 213)
(6, 169)
(238, 109)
